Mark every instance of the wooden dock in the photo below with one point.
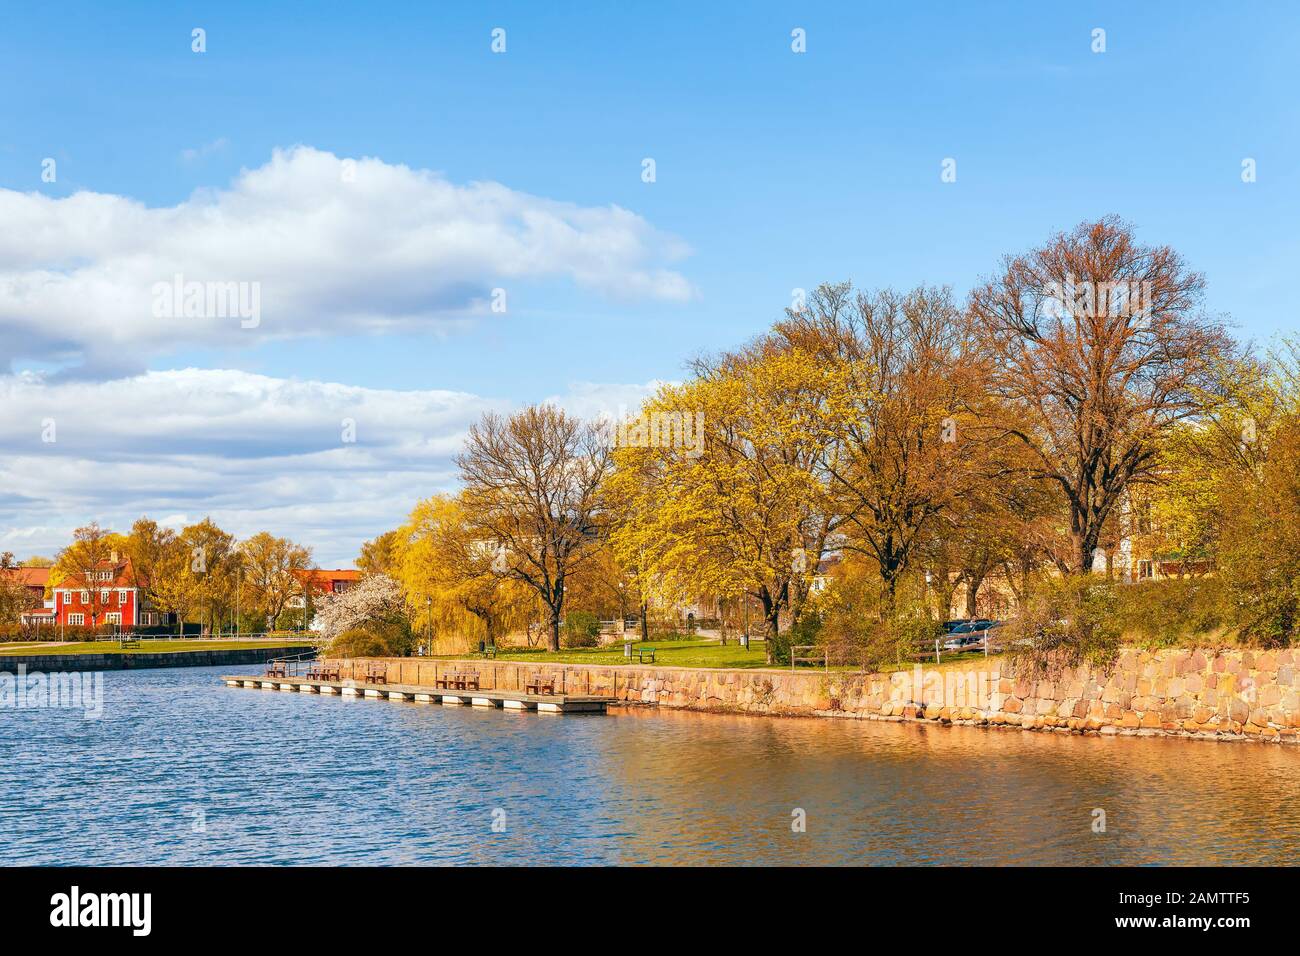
(507, 699)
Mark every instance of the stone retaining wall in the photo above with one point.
(129, 660)
(1225, 695)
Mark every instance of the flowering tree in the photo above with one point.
(375, 601)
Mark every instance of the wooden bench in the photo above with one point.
(377, 674)
(539, 684)
(277, 669)
(458, 680)
(128, 642)
(317, 670)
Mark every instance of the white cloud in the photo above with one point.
(333, 246)
(253, 452)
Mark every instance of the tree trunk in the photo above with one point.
(553, 638)
(973, 583)
(645, 623)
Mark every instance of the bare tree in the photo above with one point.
(1098, 347)
(532, 493)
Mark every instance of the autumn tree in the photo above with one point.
(271, 571)
(905, 375)
(455, 584)
(205, 569)
(149, 546)
(14, 594)
(532, 491)
(1097, 349)
(723, 495)
(380, 554)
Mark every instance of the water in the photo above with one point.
(184, 770)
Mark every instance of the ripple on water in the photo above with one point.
(183, 770)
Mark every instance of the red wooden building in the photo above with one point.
(107, 595)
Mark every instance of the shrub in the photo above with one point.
(581, 629)
(1065, 621)
(370, 642)
(805, 632)
(1163, 613)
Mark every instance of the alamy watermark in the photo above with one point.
(1085, 299)
(181, 299)
(661, 429)
(77, 690)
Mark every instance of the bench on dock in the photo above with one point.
(458, 680)
(319, 670)
(277, 668)
(377, 674)
(540, 684)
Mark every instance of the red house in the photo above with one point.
(107, 595)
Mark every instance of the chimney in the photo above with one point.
(112, 556)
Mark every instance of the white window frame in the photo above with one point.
(77, 620)
(85, 597)
(113, 617)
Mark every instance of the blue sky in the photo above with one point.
(774, 170)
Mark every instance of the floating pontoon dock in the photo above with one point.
(507, 699)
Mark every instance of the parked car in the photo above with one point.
(970, 634)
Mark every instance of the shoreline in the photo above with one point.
(1225, 695)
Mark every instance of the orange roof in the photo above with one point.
(321, 575)
(33, 577)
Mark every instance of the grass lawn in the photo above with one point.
(694, 653)
(145, 647)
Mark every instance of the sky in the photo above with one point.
(423, 228)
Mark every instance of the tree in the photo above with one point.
(375, 604)
(14, 594)
(208, 572)
(532, 493)
(448, 579)
(1098, 349)
(905, 374)
(149, 546)
(271, 570)
(738, 507)
(379, 555)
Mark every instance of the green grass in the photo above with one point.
(145, 647)
(696, 653)
(690, 653)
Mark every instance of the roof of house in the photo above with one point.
(33, 577)
(324, 575)
(121, 576)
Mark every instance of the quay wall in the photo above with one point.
(1211, 694)
(131, 660)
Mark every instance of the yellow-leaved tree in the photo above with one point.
(455, 585)
(717, 486)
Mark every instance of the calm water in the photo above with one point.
(182, 769)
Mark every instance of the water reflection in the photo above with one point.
(184, 770)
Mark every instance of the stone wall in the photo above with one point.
(128, 660)
(1226, 694)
